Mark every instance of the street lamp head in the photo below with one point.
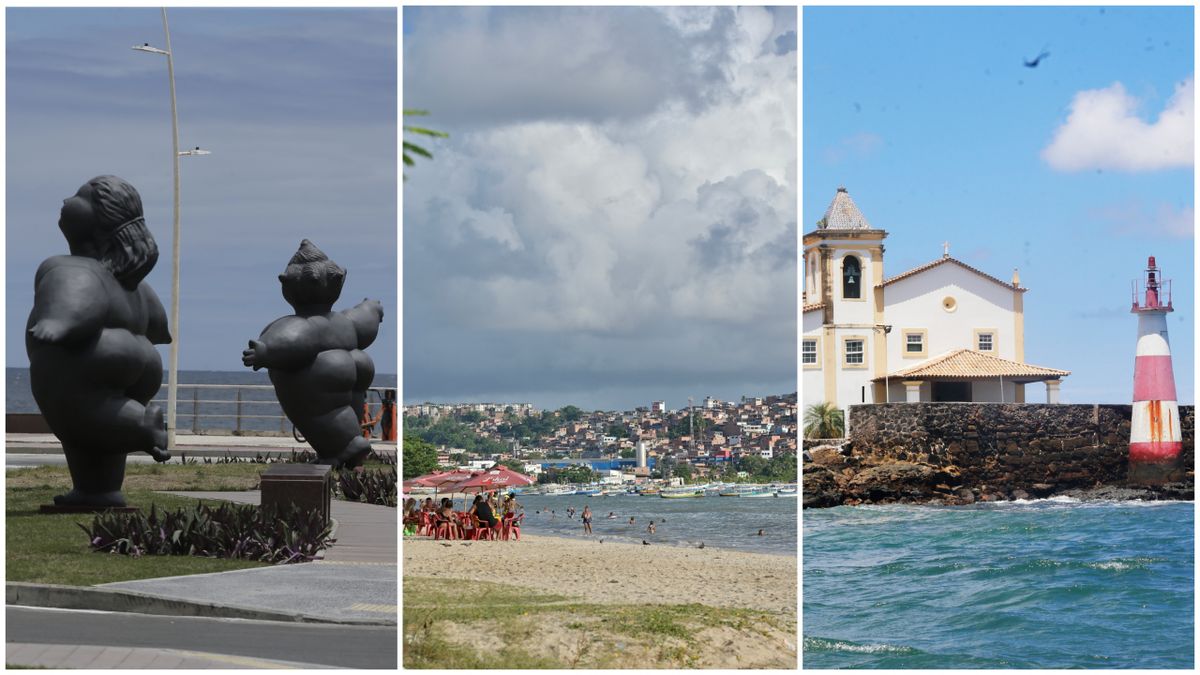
(145, 47)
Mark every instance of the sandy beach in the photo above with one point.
(611, 572)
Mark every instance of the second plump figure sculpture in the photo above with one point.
(315, 357)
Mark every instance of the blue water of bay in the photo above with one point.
(217, 416)
(1040, 584)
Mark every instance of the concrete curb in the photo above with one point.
(109, 600)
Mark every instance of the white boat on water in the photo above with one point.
(558, 490)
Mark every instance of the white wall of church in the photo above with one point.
(917, 303)
(990, 391)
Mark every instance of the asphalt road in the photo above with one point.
(324, 644)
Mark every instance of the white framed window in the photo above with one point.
(916, 343)
(808, 352)
(855, 352)
(985, 341)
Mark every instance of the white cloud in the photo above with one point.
(655, 246)
(1105, 131)
(1138, 218)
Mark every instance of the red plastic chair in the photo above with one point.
(444, 529)
(514, 528)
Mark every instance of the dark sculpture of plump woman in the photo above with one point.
(315, 357)
(90, 339)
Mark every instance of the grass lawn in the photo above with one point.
(52, 549)
(457, 624)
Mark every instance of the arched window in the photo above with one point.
(851, 277)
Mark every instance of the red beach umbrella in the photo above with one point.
(496, 478)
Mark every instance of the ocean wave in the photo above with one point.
(816, 644)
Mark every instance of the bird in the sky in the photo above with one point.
(1034, 63)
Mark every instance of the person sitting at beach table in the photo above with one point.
(587, 520)
(482, 510)
(428, 505)
(510, 505)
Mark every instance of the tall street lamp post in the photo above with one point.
(173, 367)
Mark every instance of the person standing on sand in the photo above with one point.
(587, 519)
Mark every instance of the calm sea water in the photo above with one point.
(18, 398)
(724, 522)
(1043, 584)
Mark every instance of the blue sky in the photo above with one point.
(1074, 171)
(298, 108)
(613, 218)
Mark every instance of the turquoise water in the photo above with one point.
(1043, 584)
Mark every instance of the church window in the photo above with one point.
(985, 340)
(854, 352)
(851, 278)
(915, 343)
(808, 352)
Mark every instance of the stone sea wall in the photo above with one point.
(956, 453)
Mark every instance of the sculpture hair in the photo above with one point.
(311, 278)
(127, 248)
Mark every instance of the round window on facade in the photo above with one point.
(949, 303)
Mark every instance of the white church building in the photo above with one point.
(943, 331)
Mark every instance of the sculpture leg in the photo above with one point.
(97, 477)
(356, 451)
(128, 426)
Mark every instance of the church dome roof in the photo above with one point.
(843, 214)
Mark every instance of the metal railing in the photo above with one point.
(252, 409)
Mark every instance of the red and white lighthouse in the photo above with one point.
(1155, 439)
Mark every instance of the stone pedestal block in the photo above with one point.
(308, 486)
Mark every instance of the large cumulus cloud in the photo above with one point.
(624, 223)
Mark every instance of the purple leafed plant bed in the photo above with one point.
(241, 531)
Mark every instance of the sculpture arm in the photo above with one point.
(366, 317)
(157, 330)
(69, 304)
(288, 343)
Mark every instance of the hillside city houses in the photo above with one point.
(608, 441)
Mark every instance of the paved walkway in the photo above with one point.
(90, 656)
(356, 580)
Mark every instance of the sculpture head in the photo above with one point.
(104, 220)
(312, 282)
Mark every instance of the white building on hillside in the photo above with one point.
(943, 331)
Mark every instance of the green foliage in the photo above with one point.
(422, 131)
(779, 469)
(824, 420)
(420, 457)
(575, 473)
(679, 427)
(628, 453)
(452, 434)
(618, 430)
(369, 486)
(570, 413)
(244, 531)
(49, 549)
(683, 471)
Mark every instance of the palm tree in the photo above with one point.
(824, 420)
(413, 147)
